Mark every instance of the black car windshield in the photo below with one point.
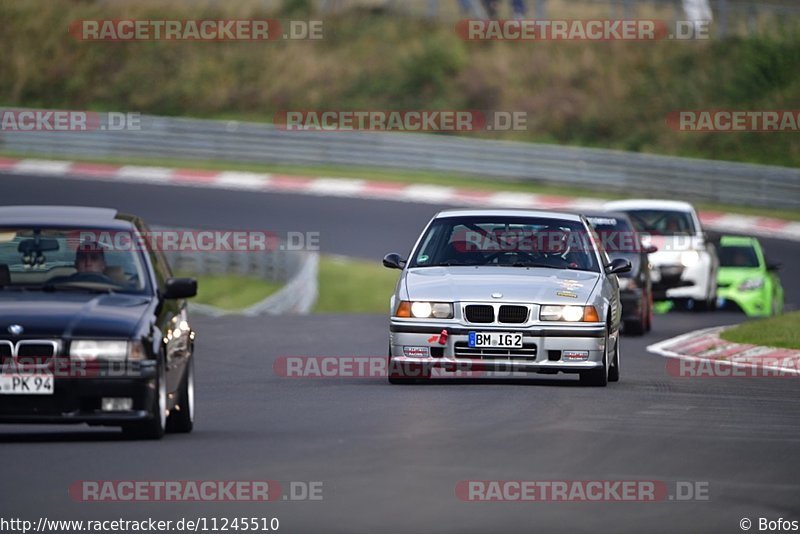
(663, 222)
(615, 233)
(70, 259)
(506, 241)
(738, 256)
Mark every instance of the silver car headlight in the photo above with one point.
(103, 350)
(424, 310)
(751, 284)
(573, 314)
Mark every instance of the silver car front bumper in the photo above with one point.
(550, 342)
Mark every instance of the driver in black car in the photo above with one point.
(90, 259)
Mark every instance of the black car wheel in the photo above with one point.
(154, 427)
(635, 327)
(613, 371)
(181, 419)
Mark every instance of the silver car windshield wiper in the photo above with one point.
(456, 264)
(529, 264)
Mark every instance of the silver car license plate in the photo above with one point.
(504, 340)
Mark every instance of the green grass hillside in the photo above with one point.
(612, 94)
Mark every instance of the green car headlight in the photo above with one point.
(751, 284)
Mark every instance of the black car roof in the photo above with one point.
(63, 216)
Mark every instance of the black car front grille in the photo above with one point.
(6, 353)
(463, 350)
(479, 313)
(33, 352)
(513, 314)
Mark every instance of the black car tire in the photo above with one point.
(154, 427)
(613, 371)
(181, 419)
(635, 327)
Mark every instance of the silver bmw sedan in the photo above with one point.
(505, 293)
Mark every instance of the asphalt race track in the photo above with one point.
(390, 457)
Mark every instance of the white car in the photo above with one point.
(685, 265)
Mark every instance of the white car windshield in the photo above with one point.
(663, 222)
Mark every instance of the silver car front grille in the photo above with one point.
(462, 350)
(495, 313)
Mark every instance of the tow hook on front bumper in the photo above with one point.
(440, 338)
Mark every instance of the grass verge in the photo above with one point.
(410, 177)
(232, 292)
(354, 286)
(780, 331)
(345, 286)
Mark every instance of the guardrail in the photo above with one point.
(297, 270)
(608, 170)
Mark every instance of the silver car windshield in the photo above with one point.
(506, 241)
(64, 259)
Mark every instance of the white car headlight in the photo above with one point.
(425, 310)
(751, 284)
(689, 258)
(112, 351)
(569, 313)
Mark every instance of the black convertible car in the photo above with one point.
(92, 331)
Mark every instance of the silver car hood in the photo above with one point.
(533, 285)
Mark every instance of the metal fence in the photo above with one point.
(296, 270)
(607, 170)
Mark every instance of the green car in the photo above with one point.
(746, 279)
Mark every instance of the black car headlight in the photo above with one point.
(88, 350)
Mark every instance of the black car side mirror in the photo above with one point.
(180, 288)
(393, 261)
(619, 265)
(773, 266)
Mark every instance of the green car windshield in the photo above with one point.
(738, 256)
